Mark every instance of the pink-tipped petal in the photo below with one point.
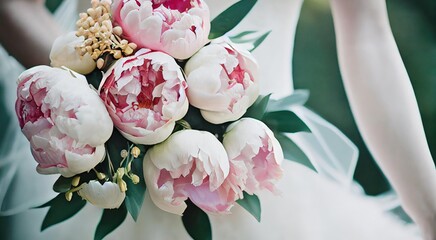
(145, 94)
(222, 81)
(255, 156)
(64, 120)
(178, 28)
(189, 164)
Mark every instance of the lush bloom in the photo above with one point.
(222, 81)
(179, 28)
(107, 195)
(145, 94)
(64, 120)
(189, 164)
(255, 156)
(64, 53)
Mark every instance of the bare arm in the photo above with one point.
(384, 105)
(28, 30)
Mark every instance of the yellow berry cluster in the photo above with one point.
(127, 171)
(100, 36)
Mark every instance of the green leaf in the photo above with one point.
(197, 122)
(135, 192)
(114, 145)
(196, 222)
(52, 5)
(94, 78)
(61, 210)
(49, 203)
(298, 97)
(259, 40)
(251, 203)
(257, 110)
(62, 185)
(228, 19)
(239, 38)
(244, 38)
(284, 121)
(110, 220)
(292, 152)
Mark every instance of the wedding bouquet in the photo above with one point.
(152, 95)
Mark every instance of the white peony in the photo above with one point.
(107, 196)
(64, 53)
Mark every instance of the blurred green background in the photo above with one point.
(316, 68)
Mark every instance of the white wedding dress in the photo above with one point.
(325, 205)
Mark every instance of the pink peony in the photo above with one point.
(145, 96)
(189, 164)
(255, 156)
(64, 120)
(222, 81)
(177, 27)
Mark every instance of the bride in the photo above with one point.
(311, 206)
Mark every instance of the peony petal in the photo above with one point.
(64, 53)
(177, 169)
(144, 95)
(222, 81)
(178, 31)
(254, 151)
(106, 196)
(64, 120)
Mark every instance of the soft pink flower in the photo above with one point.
(145, 95)
(189, 164)
(177, 27)
(255, 156)
(64, 120)
(222, 81)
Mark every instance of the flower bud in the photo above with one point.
(123, 185)
(135, 152)
(100, 175)
(75, 182)
(100, 63)
(64, 53)
(68, 196)
(135, 178)
(124, 153)
(120, 173)
(107, 195)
